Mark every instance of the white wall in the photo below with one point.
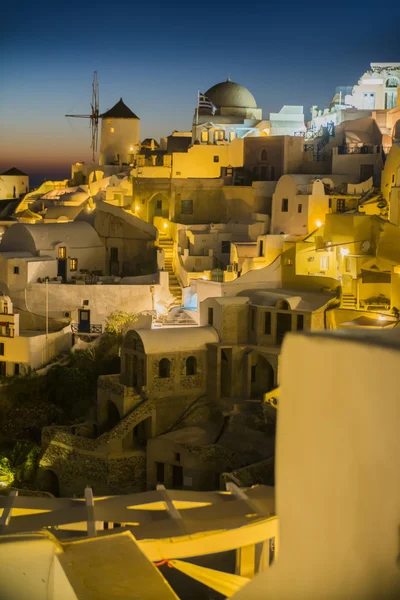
(32, 350)
(126, 135)
(9, 182)
(103, 299)
(337, 470)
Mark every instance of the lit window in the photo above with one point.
(204, 136)
(62, 253)
(219, 135)
(73, 264)
(287, 262)
(111, 129)
(232, 135)
(285, 204)
(324, 263)
(16, 270)
(299, 208)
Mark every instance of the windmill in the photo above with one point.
(94, 115)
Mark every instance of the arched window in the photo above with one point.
(264, 155)
(164, 368)
(283, 305)
(191, 365)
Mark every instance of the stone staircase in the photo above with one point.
(167, 246)
(348, 301)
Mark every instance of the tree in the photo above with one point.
(119, 321)
(20, 463)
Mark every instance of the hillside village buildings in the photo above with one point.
(229, 237)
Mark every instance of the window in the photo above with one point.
(340, 205)
(191, 365)
(252, 319)
(219, 136)
(1, 348)
(253, 373)
(16, 369)
(287, 262)
(324, 263)
(210, 320)
(187, 207)
(164, 368)
(159, 204)
(393, 178)
(232, 135)
(73, 264)
(347, 264)
(111, 129)
(330, 203)
(285, 204)
(204, 136)
(114, 254)
(264, 155)
(16, 270)
(177, 457)
(5, 308)
(62, 253)
(261, 252)
(299, 208)
(300, 322)
(216, 158)
(267, 323)
(225, 247)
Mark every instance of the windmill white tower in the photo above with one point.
(120, 131)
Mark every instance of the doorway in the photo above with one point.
(84, 320)
(261, 376)
(226, 374)
(62, 262)
(283, 325)
(366, 171)
(177, 477)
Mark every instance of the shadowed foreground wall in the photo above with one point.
(337, 470)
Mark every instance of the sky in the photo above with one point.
(156, 56)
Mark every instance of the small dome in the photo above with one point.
(231, 94)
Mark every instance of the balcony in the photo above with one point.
(352, 149)
(84, 328)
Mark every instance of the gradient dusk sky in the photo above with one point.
(156, 56)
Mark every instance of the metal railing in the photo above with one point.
(78, 328)
(348, 149)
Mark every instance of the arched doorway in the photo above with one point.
(113, 416)
(158, 206)
(262, 377)
(47, 481)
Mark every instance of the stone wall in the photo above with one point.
(258, 473)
